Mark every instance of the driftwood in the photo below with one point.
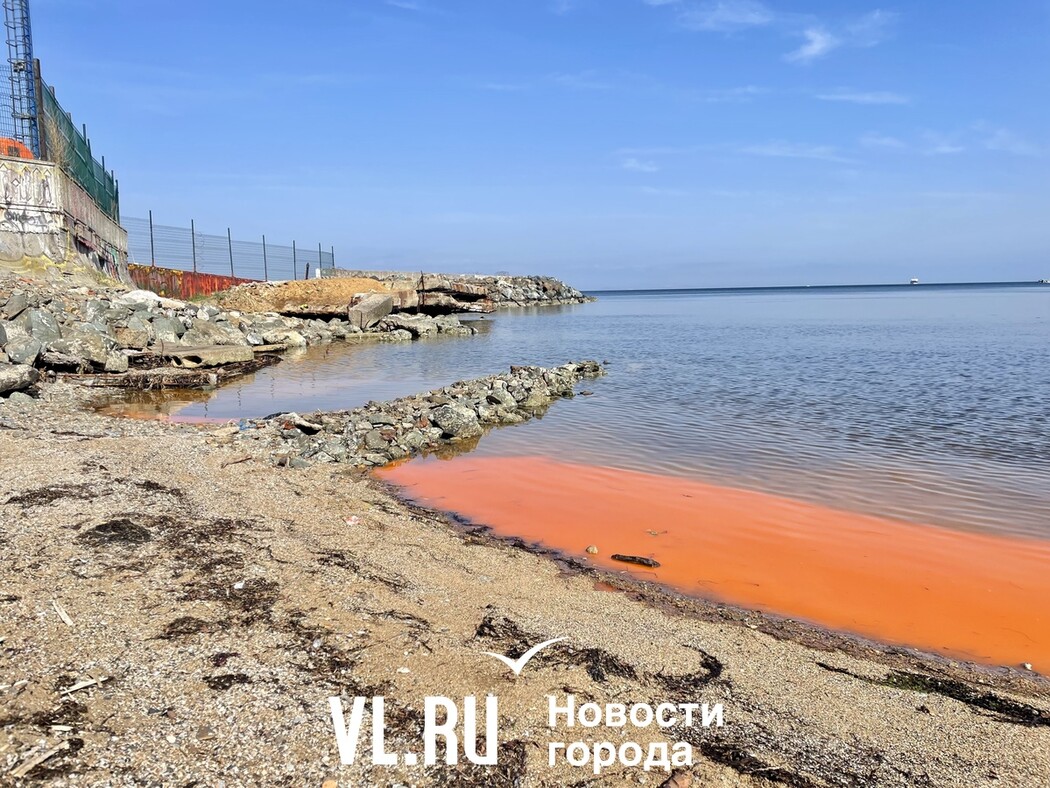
(636, 559)
(173, 377)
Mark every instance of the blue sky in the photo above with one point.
(615, 143)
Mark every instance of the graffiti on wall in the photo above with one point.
(29, 197)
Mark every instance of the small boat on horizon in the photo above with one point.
(914, 281)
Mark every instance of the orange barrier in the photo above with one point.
(181, 284)
(971, 596)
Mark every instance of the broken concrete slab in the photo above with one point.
(370, 310)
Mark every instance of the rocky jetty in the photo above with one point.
(449, 293)
(139, 339)
(379, 433)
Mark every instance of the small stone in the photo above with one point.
(592, 549)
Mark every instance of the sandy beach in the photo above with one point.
(208, 604)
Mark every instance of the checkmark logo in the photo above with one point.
(517, 665)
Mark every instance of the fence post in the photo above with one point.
(295, 269)
(229, 242)
(193, 240)
(333, 257)
(266, 273)
(152, 248)
(320, 262)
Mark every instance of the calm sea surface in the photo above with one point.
(928, 403)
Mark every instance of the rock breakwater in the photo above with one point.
(379, 433)
(436, 293)
(113, 335)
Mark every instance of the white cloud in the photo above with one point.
(819, 42)
(637, 165)
(738, 95)
(504, 87)
(937, 144)
(583, 80)
(786, 150)
(874, 140)
(871, 97)
(652, 190)
(726, 16)
(866, 31)
(1006, 141)
(872, 29)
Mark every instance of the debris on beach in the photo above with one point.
(636, 559)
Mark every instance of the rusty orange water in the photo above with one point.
(967, 595)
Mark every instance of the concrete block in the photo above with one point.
(370, 310)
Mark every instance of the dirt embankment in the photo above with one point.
(177, 610)
(308, 296)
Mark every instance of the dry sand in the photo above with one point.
(299, 295)
(226, 599)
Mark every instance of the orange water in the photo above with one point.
(966, 595)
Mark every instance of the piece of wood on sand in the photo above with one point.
(21, 771)
(62, 614)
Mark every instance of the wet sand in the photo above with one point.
(965, 595)
(224, 600)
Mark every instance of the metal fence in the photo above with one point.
(55, 137)
(188, 249)
(70, 148)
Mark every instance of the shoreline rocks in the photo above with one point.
(107, 332)
(379, 433)
(448, 293)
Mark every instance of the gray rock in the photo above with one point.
(375, 441)
(40, 324)
(116, 362)
(24, 350)
(15, 305)
(456, 420)
(21, 398)
(167, 329)
(417, 325)
(207, 332)
(3, 335)
(500, 396)
(16, 377)
(85, 341)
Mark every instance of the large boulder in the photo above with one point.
(85, 341)
(167, 329)
(16, 377)
(17, 303)
(40, 324)
(456, 421)
(209, 332)
(24, 350)
(417, 325)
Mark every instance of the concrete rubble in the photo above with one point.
(113, 334)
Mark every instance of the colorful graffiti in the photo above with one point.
(181, 284)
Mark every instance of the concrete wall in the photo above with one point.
(50, 226)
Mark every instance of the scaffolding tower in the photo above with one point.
(23, 79)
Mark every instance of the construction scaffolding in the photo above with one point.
(34, 125)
